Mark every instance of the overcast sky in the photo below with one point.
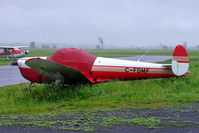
(118, 22)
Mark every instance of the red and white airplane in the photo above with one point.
(70, 66)
(12, 51)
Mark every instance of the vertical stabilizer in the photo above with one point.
(180, 62)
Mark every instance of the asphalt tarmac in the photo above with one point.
(10, 75)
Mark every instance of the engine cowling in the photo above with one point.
(28, 73)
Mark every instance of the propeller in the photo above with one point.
(13, 64)
(26, 51)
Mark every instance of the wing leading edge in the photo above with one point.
(54, 71)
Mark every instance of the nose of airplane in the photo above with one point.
(26, 52)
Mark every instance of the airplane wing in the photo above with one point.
(54, 71)
(13, 46)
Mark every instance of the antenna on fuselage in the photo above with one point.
(143, 55)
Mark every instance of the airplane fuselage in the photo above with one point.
(105, 69)
(116, 69)
(12, 53)
(75, 66)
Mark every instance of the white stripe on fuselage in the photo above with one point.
(21, 61)
(101, 61)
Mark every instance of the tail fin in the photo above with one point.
(180, 62)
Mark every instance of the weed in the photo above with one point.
(109, 121)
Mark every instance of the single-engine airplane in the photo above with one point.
(70, 66)
(12, 51)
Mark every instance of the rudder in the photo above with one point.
(180, 61)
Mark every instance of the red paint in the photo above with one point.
(180, 51)
(105, 75)
(75, 58)
(17, 51)
(32, 75)
(183, 61)
(14, 51)
(34, 58)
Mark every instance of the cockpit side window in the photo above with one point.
(10, 50)
(2, 50)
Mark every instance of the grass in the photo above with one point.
(89, 121)
(150, 93)
(77, 123)
(40, 52)
(111, 121)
